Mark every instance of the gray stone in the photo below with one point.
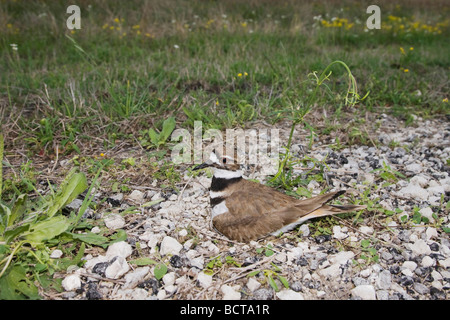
(364, 292)
(383, 281)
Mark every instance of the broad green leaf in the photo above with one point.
(47, 229)
(18, 209)
(144, 261)
(154, 137)
(284, 281)
(90, 238)
(70, 189)
(272, 282)
(15, 285)
(160, 271)
(168, 127)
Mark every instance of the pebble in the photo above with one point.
(117, 268)
(133, 278)
(204, 280)
(229, 293)
(114, 221)
(364, 292)
(253, 284)
(420, 247)
(170, 246)
(56, 254)
(119, 249)
(71, 282)
(288, 294)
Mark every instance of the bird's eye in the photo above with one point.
(224, 160)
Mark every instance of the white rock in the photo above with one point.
(427, 213)
(253, 284)
(332, 271)
(414, 167)
(431, 233)
(342, 257)
(71, 282)
(229, 293)
(169, 278)
(420, 247)
(366, 230)
(137, 196)
(411, 265)
(427, 261)
(288, 294)
(365, 292)
(134, 277)
(161, 295)
(117, 269)
(419, 181)
(170, 245)
(384, 280)
(114, 221)
(445, 263)
(338, 234)
(121, 249)
(56, 254)
(95, 229)
(204, 280)
(414, 191)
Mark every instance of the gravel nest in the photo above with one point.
(398, 249)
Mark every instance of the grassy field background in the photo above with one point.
(134, 63)
(82, 96)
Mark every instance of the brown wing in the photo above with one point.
(255, 210)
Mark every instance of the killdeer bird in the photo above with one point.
(244, 210)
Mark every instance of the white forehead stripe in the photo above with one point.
(214, 158)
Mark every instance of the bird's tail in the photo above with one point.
(327, 210)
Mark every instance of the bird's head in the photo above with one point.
(219, 162)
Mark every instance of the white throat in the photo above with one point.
(226, 174)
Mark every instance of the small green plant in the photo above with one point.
(388, 174)
(271, 275)
(29, 228)
(297, 114)
(370, 253)
(159, 139)
(268, 250)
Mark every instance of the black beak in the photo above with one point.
(201, 166)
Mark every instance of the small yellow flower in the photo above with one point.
(135, 27)
(402, 50)
(105, 26)
(116, 20)
(445, 100)
(405, 70)
(111, 28)
(411, 48)
(102, 154)
(217, 102)
(148, 35)
(244, 24)
(72, 31)
(239, 75)
(9, 25)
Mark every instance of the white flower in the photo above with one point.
(176, 46)
(14, 46)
